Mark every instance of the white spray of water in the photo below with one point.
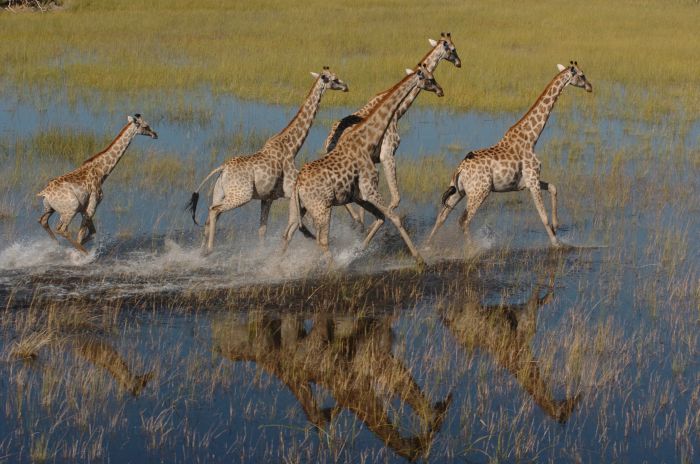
(42, 252)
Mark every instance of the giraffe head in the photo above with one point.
(330, 80)
(142, 127)
(578, 79)
(449, 52)
(426, 80)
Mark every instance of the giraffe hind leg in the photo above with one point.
(474, 200)
(215, 212)
(44, 221)
(62, 230)
(449, 204)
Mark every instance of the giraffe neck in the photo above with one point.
(530, 126)
(430, 60)
(370, 131)
(295, 133)
(104, 162)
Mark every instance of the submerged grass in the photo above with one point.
(509, 50)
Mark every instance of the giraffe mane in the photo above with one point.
(422, 60)
(537, 102)
(303, 102)
(94, 157)
(386, 94)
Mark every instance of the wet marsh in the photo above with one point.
(503, 351)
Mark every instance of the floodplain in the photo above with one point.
(503, 350)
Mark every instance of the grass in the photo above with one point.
(192, 359)
(509, 51)
(512, 334)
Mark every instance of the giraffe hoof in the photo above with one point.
(420, 264)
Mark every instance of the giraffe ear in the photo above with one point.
(130, 118)
(409, 71)
(432, 42)
(561, 67)
(315, 75)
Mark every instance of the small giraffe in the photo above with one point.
(80, 191)
(268, 174)
(443, 49)
(511, 164)
(347, 174)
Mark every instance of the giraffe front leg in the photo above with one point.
(87, 230)
(378, 222)
(322, 220)
(375, 201)
(390, 143)
(296, 216)
(537, 198)
(553, 194)
(264, 214)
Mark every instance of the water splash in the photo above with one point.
(30, 253)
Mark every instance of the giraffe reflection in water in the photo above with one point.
(505, 331)
(101, 354)
(349, 356)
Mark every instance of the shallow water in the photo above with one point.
(501, 350)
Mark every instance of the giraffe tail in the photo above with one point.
(192, 204)
(448, 193)
(452, 189)
(296, 211)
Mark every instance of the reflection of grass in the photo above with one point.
(520, 338)
(509, 51)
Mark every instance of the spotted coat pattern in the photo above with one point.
(270, 173)
(443, 49)
(80, 191)
(347, 174)
(511, 164)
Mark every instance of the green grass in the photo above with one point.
(638, 54)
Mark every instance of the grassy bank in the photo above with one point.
(638, 54)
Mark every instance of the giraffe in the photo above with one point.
(347, 174)
(350, 357)
(511, 164)
(102, 354)
(80, 191)
(443, 49)
(268, 174)
(505, 331)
